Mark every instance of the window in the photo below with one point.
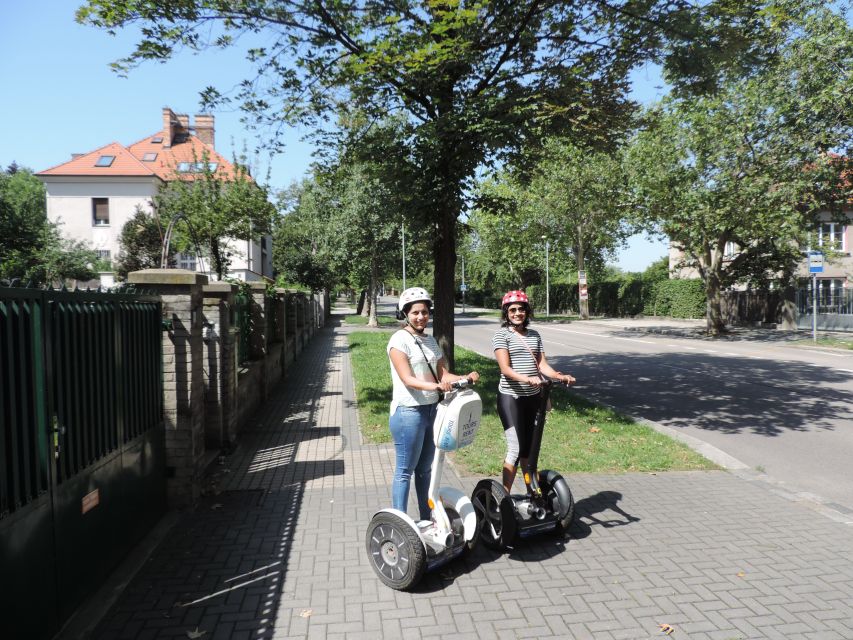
(105, 161)
(100, 212)
(103, 254)
(832, 234)
(149, 157)
(196, 167)
(730, 250)
(157, 140)
(186, 261)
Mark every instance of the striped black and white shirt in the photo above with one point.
(520, 359)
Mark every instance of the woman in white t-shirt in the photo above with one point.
(418, 373)
(521, 357)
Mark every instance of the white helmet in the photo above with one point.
(412, 295)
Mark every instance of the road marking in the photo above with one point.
(599, 335)
(827, 353)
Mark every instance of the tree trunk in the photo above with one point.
(444, 255)
(714, 314)
(368, 302)
(371, 295)
(216, 257)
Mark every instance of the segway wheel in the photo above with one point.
(396, 552)
(494, 506)
(559, 498)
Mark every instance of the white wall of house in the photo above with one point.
(71, 204)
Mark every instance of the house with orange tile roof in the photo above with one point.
(94, 194)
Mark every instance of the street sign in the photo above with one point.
(581, 277)
(463, 287)
(815, 262)
(584, 295)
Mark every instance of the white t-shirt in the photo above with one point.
(404, 341)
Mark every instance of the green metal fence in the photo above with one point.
(82, 451)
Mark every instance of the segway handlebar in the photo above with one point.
(460, 384)
(551, 381)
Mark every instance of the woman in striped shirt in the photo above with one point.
(519, 352)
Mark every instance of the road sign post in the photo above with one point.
(815, 267)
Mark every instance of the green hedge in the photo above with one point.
(676, 298)
(611, 298)
(630, 296)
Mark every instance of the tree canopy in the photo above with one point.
(32, 250)
(750, 164)
(476, 80)
(218, 209)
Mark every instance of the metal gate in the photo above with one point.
(82, 452)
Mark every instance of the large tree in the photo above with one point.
(750, 163)
(475, 78)
(32, 250)
(219, 208)
(350, 215)
(140, 244)
(581, 196)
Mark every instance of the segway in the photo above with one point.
(400, 549)
(548, 504)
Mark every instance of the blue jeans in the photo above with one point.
(411, 429)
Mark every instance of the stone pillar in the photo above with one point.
(183, 379)
(220, 371)
(260, 340)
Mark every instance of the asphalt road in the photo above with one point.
(782, 409)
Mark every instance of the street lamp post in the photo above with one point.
(547, 280)
(464, 286)
(403, 236)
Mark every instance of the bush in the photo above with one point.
(611, 298)
(676, 298)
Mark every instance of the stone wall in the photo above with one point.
(209, 396)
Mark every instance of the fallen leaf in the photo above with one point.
(196, 633)
(594, 430)
(216, 506)
(666, 628)
(306, 613)
(740, 574)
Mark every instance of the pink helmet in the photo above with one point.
(515, 296)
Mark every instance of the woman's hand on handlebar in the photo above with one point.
(534, 382)
(444, 387)
(473, 377)
(566, 379)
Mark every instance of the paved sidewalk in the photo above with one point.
(277, 549)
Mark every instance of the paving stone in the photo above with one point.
(276, 550)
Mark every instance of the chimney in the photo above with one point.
(204, 130)
(184, 121)
(170, 123)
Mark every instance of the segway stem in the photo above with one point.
(531, 477)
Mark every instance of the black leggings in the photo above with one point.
(518, 416)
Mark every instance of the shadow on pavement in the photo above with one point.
(716, 392)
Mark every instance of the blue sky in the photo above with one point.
(60, 97)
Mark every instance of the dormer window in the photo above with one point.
(157, 140)
(149, 157)
(196, 167)
(105, 161)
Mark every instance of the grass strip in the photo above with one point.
(384, 321)
(579, 435)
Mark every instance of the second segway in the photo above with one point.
(547, 505)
